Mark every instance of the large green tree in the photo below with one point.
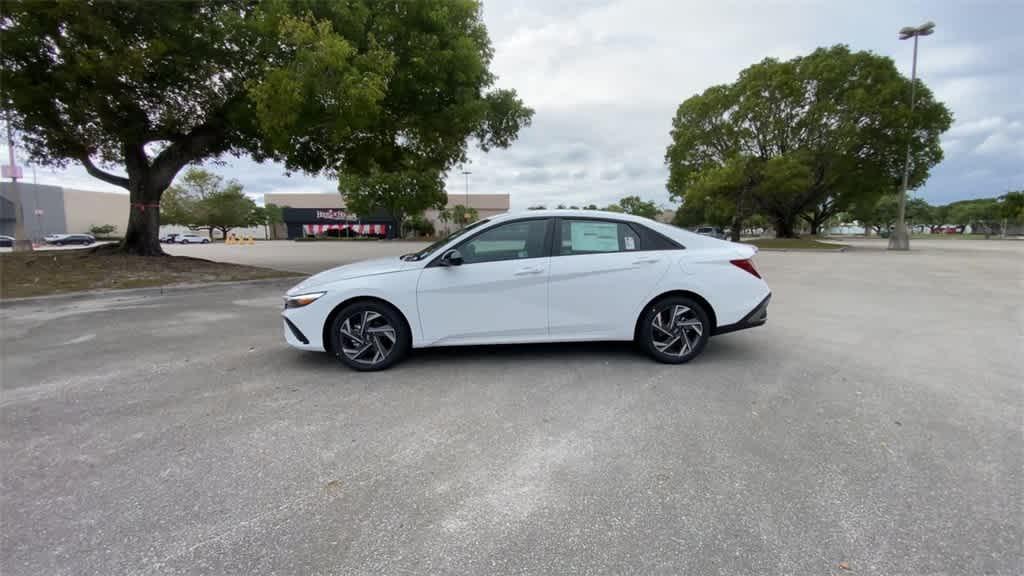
(226, 209)
(146, 88)
(637, 207)
(202, 200)
(831, 129)
(398, 193)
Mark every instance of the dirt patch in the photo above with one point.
(53, 272)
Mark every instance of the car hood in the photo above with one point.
(355, 270)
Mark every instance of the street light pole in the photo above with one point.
(900, 238)
(465, 215)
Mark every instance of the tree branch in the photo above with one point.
(100, 174)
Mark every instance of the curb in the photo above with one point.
(806, 250)
(148, 291)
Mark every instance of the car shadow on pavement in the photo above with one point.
(560, 351)
(559, 354)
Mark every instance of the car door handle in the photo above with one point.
(529, 271)
(646, 261)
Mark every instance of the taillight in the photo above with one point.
(745, 265)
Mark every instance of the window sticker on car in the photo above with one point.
(594, 236)
(630, 243)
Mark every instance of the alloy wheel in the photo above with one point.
(676, 330)
(367, 337)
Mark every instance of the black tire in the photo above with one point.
(354, 313)
(686, 336)
(206, 240)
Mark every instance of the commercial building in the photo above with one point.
(57, 210)
(315, 214)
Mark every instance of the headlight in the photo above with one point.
(301, 300)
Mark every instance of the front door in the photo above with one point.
(498, 294)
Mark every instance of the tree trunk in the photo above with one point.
(734, 230)
(784, 227)
(815, 227)
(142, 238)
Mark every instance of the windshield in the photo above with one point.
(437, 245)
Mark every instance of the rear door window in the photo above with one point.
(596, 237)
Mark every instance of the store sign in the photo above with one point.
(331, 215)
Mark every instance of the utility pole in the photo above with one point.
(465, 213)
(21, 244)
(900, 238)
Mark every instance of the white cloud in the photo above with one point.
(1001, 144)
(976, 127)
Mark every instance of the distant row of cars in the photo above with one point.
(69, 239)
(55, 239)
(87, 239)
(186, 238)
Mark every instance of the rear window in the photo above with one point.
(597, 237)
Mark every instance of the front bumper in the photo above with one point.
(296, 337)
(756, 317)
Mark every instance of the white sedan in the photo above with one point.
(540, 276)
(190, 238)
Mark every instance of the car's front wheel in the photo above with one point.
(674, 330)
(369, 335)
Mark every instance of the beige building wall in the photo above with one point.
(86, 208)
(486, 205)
(310, 200)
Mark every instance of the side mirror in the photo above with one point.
(451, 258)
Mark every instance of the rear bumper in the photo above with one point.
(756, 317)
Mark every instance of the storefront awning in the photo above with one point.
(365, 229)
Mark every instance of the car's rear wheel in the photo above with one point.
(674, 330)
(369, 335)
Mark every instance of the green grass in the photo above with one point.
(46, 272)
(793, 244)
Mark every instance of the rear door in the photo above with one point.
(498, 294)
(601, 272)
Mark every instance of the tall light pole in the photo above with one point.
(465, 215)
(900, 238)
(13, 171)
(466, 173)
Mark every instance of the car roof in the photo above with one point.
(569, 213)
(684, 237)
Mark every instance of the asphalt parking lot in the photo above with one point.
(304, 257)
(874, 424)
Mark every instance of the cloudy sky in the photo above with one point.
(605, 78)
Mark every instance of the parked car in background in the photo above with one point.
(191, 238)
(712, 231)
(169, 238)
(51, 238)
(6, 241)
(81, 239)
(539, 276)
